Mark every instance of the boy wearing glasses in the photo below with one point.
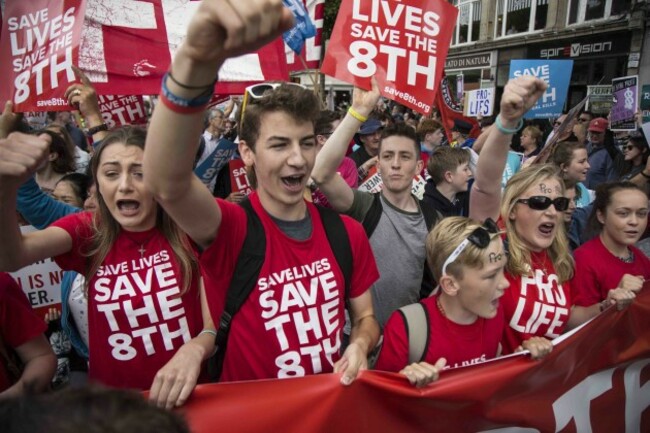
(464, 321)
(290, 324)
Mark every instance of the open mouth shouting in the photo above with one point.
(128, 207)
(547, 229)
(294, 183)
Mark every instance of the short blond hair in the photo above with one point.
(519, 260)
(443, 240)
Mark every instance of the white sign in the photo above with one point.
(479, 102)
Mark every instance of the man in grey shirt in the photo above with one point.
(399, 236)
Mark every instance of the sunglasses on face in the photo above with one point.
(480, 237)
(542, 202)
(557, 123)
(628, 147)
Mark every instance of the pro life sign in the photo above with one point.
(556, 73)
(403, 44)
(479, 102)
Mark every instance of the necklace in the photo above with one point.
(629, 258)
(440, 308)
(143, 244)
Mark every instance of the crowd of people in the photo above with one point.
(167, 286)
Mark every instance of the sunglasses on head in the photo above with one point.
(480, 237)
(257, 91)
(542, 202)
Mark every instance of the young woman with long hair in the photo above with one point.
(571, 159)
(142, 277)
(610, 261)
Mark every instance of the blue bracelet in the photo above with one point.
(508, 131)
(198, 101)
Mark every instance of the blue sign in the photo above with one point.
(557, 73)
(222, 153)
(304, 28)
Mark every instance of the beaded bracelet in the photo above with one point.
(508, 131)
(183, 105)
(361, 118)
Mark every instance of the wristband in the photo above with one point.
(184, 105)
(208, 331)
(185, 86)
(508, 131)
(356, 115)
(95, 129)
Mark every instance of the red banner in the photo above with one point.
(122, 110)
(40, 43)
(403, 44)
(238, 178)
(450, 109)
(595, 380)
(123, 46)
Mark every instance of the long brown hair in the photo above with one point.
(519, 259)
(106, 229)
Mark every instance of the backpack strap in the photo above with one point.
(430, 214)
(244, 279)
(431, 218)
(416, 321)
(373, 215)
(249, 264)
(339, 241)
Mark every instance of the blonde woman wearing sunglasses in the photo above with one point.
(539, 301)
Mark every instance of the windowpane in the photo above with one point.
(518, 16)
(463, 23)
(574, 5)
(476, 21)
(620, 7)
(500, 18)
(595, 10)
(540, 15)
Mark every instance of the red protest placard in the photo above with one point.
(238, 178)
(122, 110)
(125, 50)
(40, 42)
(403, 44)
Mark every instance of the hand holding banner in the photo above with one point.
(403, 44)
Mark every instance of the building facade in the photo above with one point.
(604, 38)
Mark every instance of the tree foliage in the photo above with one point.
(331, 10)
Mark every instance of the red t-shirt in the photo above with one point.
(291, 323)
(18, 322)
(598, 271)
(535, 305)
(460, 345)
(136, 318)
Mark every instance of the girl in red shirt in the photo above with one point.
(610, 261)
(144, 308)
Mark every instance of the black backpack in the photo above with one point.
(249, 264)
(431, 218)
